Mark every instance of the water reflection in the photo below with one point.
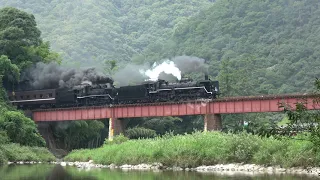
(57, 172)
(60, 173)
(39, 172)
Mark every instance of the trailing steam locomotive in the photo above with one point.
(88, 94)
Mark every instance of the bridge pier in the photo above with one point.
(212, 122)
(116, 127)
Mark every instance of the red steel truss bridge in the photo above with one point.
(212, 109)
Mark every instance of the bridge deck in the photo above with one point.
(218, 106)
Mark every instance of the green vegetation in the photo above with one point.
(20, 129)
(16, 152)
(151, 127)
(253, 47)
(92, 32)
(140, 132)
(204, 149)
(79, 134)
(20, 46)
(20, 39)
(300, 119)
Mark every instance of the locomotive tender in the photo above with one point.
(87, 94)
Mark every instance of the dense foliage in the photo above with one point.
(95, 32)
(20, 45)
(79, 134)
(300, 120)
(203, 149)
(140, 132)
(21, 129)
(90, 32)
(20, 39)
(253, 47)
(16, 152)
(150, 127)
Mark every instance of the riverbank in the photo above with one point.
(224, 169)
(15, 153)
(203, 149)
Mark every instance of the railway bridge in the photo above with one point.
(211, 110)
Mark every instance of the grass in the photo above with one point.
(207, 148)
(16, 152)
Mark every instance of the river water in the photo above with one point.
(57, 172)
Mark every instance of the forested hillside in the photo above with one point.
(254, 47)
(90, 32)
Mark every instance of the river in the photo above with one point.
(57, 172)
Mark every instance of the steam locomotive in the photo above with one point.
(88, 94)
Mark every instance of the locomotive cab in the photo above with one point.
(215, 87)
(211, 87)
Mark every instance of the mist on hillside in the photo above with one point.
(251, 47)
(87, 33)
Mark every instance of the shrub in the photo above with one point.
(21, 129)
(116, 140)
(4, 137)
(271, 152)
(200, 148)
(140, 132)
(242, 147)
(3, 158)
(16, 152)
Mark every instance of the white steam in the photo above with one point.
(167, 67)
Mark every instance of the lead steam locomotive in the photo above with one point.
(88, 94)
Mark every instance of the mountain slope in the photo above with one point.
(90, 32)
(254, 47)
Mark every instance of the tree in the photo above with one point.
(110, 67)
(21, 129)
(300, 120)
(11, 71)
(140, 132)
(8, 69)
(161, 125)
(17, 30)
(78, 134)
(20, 45)
(109, 29)
(20, 39)
(303, 120)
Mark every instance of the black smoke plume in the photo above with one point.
(189, 64)
(46, 76)
(130, 75)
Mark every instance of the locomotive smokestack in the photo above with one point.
(206, 77)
